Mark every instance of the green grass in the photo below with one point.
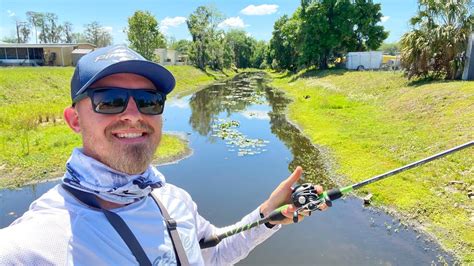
(34, 140)
(190, 79)
(373, 122)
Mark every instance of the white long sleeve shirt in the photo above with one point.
(60, 230)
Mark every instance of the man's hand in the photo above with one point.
(282, 195)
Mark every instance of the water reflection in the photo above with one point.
(233, 96)
(249, 89)
(304, 152)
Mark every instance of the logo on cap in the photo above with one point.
(117, 55)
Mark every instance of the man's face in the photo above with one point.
(126, 141)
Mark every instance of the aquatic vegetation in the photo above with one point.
(235, 140)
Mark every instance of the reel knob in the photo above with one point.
(302, 200)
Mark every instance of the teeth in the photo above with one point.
(129, 135)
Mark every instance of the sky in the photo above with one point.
(256, 17)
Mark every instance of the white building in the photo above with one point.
(171, 57)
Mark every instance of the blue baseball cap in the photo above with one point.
(118, 59)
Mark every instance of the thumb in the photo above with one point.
(294, 177)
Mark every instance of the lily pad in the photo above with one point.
(235, 140)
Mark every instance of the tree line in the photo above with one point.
(44, 27)
(318, 34)
(210, 47)
(321, 31)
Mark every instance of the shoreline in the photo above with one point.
(187, 152)
(330, 164)
(415, 220)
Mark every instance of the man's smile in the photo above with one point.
(130, 136)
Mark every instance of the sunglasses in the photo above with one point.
(112, 100)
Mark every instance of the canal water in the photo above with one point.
(243, 147)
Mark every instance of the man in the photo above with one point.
(118, 98)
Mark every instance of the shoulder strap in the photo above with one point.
(182, 259)
(116, 221)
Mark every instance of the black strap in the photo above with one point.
(117, 222)
(127, 235)
(181, 257)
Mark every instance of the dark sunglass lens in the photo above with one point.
(110, 101)
(149, 102)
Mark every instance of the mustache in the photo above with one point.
(123, 125)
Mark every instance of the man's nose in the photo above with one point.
(131, 112)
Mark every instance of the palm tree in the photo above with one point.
(438, 41)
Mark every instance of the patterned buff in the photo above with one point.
(89, 175)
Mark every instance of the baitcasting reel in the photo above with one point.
(307, 200)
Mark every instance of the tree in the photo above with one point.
(283, 45)
(67, 30)
(219, 52)
(390, 48)
(144, 34)
(258, 59)
(367, 34)
(11, 39)
(437, 42)
(54, 30)
(325, 27)
(182, 46)
(322, 30)
(51, 31)
(96, 34)
(22, 32)
(77, 37)
(242, 47)
(36, 20)
(205, 49)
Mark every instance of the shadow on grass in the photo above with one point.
(308, 73)
(218, 74)
(316, 73)
(428, 80)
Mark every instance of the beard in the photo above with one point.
(127, 158)
(132, 159)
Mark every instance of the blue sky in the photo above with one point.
(254, 16)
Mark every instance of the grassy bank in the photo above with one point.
(34, 140)
(372, 122)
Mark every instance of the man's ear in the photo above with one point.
(72, 118)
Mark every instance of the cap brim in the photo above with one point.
(161, 77)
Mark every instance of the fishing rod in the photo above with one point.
(306, 199)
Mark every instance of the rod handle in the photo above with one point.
(277, 215)
(211, 242)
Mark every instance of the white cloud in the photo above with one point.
(168, 22)
(10, 13)
(233, 22)
(173, 22)
(384, 19)
(179, 103)
(108, 29)
(260, 10)
(256, 114)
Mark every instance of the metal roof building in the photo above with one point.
(56, 54)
